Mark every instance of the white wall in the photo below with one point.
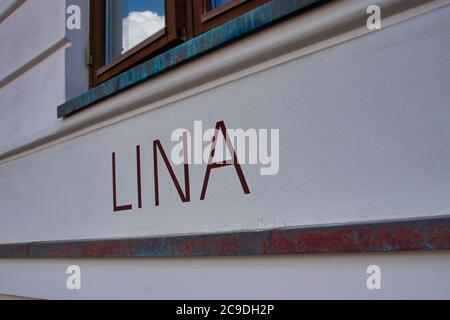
(364, 135)
(403, 276)
(358, 142)
(32, 75)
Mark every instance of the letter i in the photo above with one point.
(138, 175)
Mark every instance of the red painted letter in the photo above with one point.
(138, 176)
(221, 126)
(185, 197)
(115, 206)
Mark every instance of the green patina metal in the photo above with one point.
(243, 25)
(425, 234)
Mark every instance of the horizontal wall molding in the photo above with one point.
(11, 9)
(385, 236)
(333, 23)
(33, 62)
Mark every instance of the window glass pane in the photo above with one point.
(129, 22)
(218, 3)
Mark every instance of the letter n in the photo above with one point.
(185, 197)
(221, 126)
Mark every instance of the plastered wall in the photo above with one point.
(364, 136)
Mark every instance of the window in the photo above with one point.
(124, 33)
(212, 13)
(218, 3)
(128, 23)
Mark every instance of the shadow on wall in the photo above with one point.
(6, 297)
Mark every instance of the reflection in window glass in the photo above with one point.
(218, 3)
(129, 22)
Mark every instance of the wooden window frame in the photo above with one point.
(206, 18)
(178, 28)
(184, 20)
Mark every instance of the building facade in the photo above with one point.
(342, 188)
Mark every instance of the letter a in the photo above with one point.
(374, 280)
(221, 126)
(73, 21)
(374, 20)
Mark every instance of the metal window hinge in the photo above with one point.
(88, 55)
